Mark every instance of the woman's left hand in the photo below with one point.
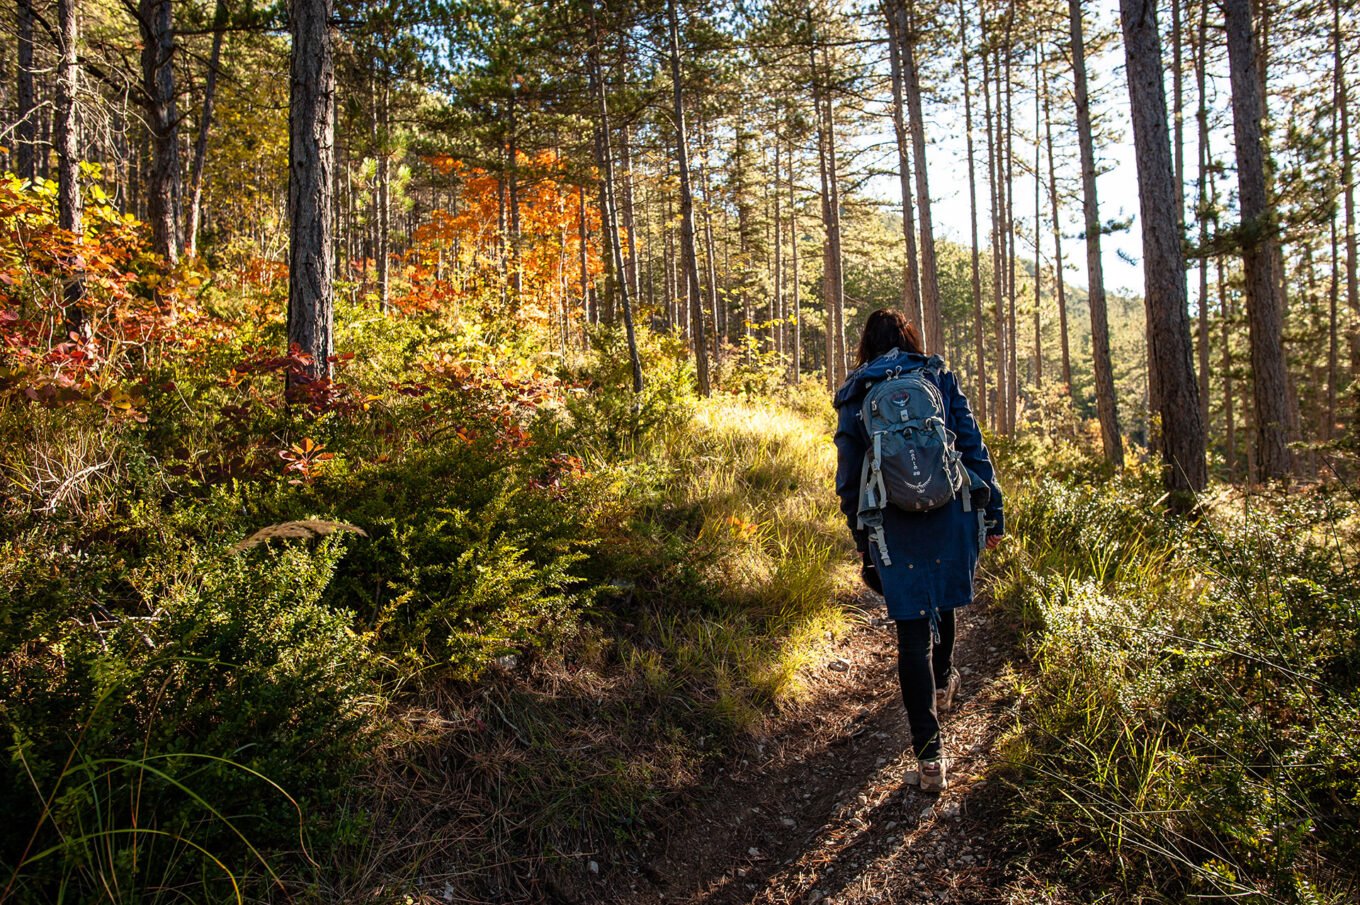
(993, 541)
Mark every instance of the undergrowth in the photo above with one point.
(1189, 728)
(456, 619)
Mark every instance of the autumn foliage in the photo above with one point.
(470, 249)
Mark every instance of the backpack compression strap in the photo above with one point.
(873, 495)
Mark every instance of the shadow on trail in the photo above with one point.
(822, 812)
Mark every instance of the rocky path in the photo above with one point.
(822, 810)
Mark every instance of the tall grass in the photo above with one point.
(1190, 725)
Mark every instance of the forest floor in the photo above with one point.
(822, 809)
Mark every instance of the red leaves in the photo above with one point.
(305, 459)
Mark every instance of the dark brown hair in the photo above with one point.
(884, 330)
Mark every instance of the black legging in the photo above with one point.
(923, 666)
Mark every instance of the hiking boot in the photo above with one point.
(932, 776)
(944, 697)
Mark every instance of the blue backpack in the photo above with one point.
(911, 462)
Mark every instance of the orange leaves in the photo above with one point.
(469, 249)
(305, 458)
(741, 529)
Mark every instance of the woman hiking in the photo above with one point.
(918, 490)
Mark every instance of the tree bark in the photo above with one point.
(26, 116)
(1202, 120)
(1178, 113)
(1169, 351)
(932, 330)
(1012, 333)
(610, 212)
(688, 253)
(1229, 419)
(911, 283)
(1038, 228)
(204, 125)
(1342, 101)
(1275, 413)
(1059, 282)
(832, 284)
(588, 310)
(998, 403)
(980, 405)
(778, 315)
(158, 99)
(1100, 331)
(795, 364)
(67, 136)
(311, 154)
(384, 194)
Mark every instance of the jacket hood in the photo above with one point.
(856, 385)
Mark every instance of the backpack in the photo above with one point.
(911, 462)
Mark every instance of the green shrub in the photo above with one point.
(172, 743)
(1195, 699)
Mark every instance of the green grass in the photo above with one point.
(1189, 714)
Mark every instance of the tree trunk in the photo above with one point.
(384, 195)
(1203, 203)
(1100, 331)
(795, 365)
(1275, 413)
(610, 212)
(932, 331)
(778, 314)
(158, 99)
(1038, 228)
(1178, 113)
(1012, 333)
(311, 149)
(911, 283)
(832, 287)
(204, 124)
(588, 315)
(998, 402)
(1171, 368)
(68, 157)
(687, 250)
(632, 272)
(26, 116)
(1059, 282)
(1342, 102)
(1225, 317)
(980, 396)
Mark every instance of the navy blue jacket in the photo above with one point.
(934, 554)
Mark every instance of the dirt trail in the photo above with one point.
(821, 812)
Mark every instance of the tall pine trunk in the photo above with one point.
(795, 364)
(1171, 368)
(932, 330)
(68, 156)
(204, 125)
(1038, 226)
(693, 304)
(162, 117)
(311, 155)
(1275, 414)
(610, 212)
(998, 402)
(832, 282)
(979, 353)
(1059, 282)
(1100, 330)
(1349, 240)
(911, 283)
(26, 116)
